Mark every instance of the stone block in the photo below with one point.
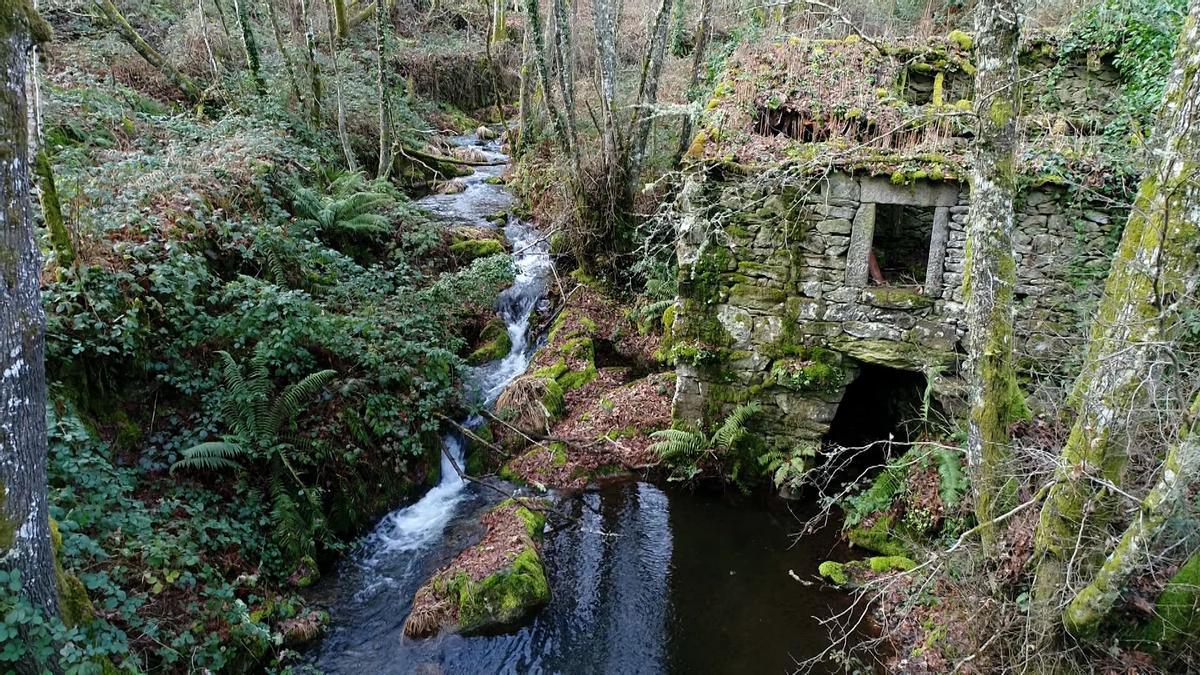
(834, 226)
(919, 193)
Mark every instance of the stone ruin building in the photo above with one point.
(821, 232)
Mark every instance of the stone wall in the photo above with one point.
(776, 303)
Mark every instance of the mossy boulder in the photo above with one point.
(469, 249)
(856, 571)
(492, 586)
(880, 537)
(495, 343)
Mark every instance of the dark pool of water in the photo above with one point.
(646, 581)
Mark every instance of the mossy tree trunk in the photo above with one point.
(288, 67)
(343, 133)
(114, 16)
(341, 17)
(60, 238)
(499, 30)
(249, 44)
(643, 110)
(383, 94)
(525, 100)
(699, 49)
(604, 15)
(25, 544)
(990, 266)
(1136, 327)
(310, 58)
(1091, 605)
(565, 58)
(538, 43)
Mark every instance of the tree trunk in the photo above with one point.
(990, 267)
(338, 13)
(499, 31)
(343, 134)
(565, 48)
(537, 40)
(703, 31)
(289, 69)
(60, 238)
(1136, 327)
(1092, 604)
(25, 545)
(605, 18)
(525, 100)
(249, 44)
(652, 65)
(143, 48)
(310, 58)
(385, 117)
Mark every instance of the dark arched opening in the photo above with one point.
(880, 403)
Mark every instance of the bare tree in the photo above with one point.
(289, 69)
(25, 545)
(310, 58)
(652, 64)
(1135, 331)
(249, 44)
(343, 133)
(150, 54)
(990, 267)
(383, 94)
(699, 48)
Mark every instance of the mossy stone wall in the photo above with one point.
(770, 282)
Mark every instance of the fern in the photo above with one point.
(952, 482)
(880, 496)
(684, 449)
(676, 444)
(733, 431)
(212, 456)
(352, 207)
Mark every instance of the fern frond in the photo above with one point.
(674, 444)
(952, 482)
(211, 456)
(289, 402)
(733, 429)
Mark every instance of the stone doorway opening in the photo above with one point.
(880, 403)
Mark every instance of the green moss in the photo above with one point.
(60, 239)
(890, 563)
(811, 369)
(502, 598)
(8, 530)
(20, 15)
(496, 343)
(896, 297)
(1177, 617)
(553, 400)
(757, 294)
(535, 522)
(73, 602)
(878, 538)
(834, 571)
(470, 249)
(964, 41)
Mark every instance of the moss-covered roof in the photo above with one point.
(901, 109)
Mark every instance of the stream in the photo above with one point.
(649, 579)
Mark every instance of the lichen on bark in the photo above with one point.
(990, 269)
(1138, 320)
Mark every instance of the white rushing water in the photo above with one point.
(416, 526)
